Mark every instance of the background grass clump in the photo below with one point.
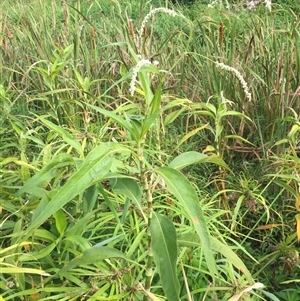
(131, 148)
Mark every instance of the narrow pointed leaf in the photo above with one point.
(66, 136)
(21, 270)
(192, 240)
(156, 101)
(94, 168)
(190, 134)
(164, 247)
(121, 121)
(128, 187)
(93, 255)
(179, 185)
(47, 172)
(192, 157)
(147, 123)
(60, 221)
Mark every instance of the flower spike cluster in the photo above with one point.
(238, 75)
(153, 12)
(136, 69)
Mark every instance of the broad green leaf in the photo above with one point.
(192, 157)
(131, 189)
(44, 235)
(183, 190)
(60, 221)
(90, 198)
(192, 240)
(235, 113)
(47, 172)
(92, 256)
(25, 172)
(94, 168)
(164, 247)
(66, 136)
(128, 187)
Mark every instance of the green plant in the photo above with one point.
(100, 151)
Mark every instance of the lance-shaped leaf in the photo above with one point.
(183, 190)
(130, 188)
(192, 157)
(66, 136)
(93, 169)
(127, 124)
(164, 247)
(93, 255)
(47, 172)
(192, 240)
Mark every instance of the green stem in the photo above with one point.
(146, 184)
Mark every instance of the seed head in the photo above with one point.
(238, 75)
(136, 69)
(153, 12)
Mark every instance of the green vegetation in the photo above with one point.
(149, 154)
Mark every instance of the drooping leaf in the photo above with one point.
(130, 188)
(93, 255)
(172, 116)
(38, 254)
(190, 134)
(183, 190)
(248, 289)
(108, 202)
(121, 121)
(192, 157)
(46, 173)
(164, 247)
(66, 136)
(192, 240)
(94, 168)
(271, 296)
(60, 221)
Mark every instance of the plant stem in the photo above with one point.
(146, 184)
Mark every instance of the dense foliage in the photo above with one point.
(149, 151)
